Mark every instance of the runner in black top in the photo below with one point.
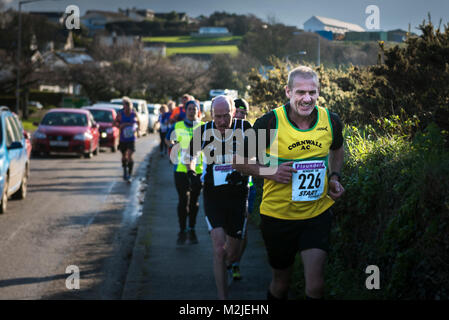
(225, 190)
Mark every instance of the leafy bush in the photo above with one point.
(394, 215)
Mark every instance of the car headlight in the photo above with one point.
(40, 135)
(83, 136)
(104, 134)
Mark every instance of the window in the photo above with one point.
(11, 134)
(18, 126)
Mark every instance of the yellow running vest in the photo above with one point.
(183, 135)
(310, 148)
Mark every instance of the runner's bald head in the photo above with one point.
(223, 112)
(222, 102)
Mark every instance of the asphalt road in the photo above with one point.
(78, 212)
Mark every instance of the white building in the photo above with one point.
(212, 32)
(317, 23)
(117, 40)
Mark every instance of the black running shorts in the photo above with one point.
(226, 209)
(127, 145)
(284, 238)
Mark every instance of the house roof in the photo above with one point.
(339, 24)
(109, 14)
(60, 58)
(74, 57)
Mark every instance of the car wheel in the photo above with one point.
(22, 192)
(4, 198)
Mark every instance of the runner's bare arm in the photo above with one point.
(336, 158)
(280, 174)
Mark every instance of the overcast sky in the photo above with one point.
(394, 14)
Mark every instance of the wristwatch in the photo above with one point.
(334, 173)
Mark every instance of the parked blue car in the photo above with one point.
(14, 159)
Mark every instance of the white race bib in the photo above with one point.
(128, 132)
(308, 182)
(221, 171)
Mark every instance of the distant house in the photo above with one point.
(366, 36)
(96, 20)
(317, 23)
(393, 35)
(57, 17)
(212, 32)
(62, 59)
(157, 49)
(138, 14)
(117, 40)
(397, 35)
(180, 16)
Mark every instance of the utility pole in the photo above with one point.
(19, 50)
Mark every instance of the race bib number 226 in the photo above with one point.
(308, 181)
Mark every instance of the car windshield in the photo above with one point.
(151, 110)
(135, 104)
(64, 119)
(102, 115)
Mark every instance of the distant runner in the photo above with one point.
(128, 124)
(188, 188)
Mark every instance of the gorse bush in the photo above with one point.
(394, 215)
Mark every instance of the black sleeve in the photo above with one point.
(246, 125)
(337, 131)
(266, 122)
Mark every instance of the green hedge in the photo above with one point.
(46, 98)
(394, 214)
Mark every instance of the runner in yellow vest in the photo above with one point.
(188, 188)
(306, 145)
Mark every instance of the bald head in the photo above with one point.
(223, 110)
(222, 102)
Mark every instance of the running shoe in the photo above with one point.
(192, 237)
(236, 272)
(182, 237)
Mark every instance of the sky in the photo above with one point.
(393, 14)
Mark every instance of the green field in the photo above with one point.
(28, 124)
(187, 39)
(208, 47)
(231, 49)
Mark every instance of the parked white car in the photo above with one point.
(153, 116)
(141, 109)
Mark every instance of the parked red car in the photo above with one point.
(105, 117)
(67, 131)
